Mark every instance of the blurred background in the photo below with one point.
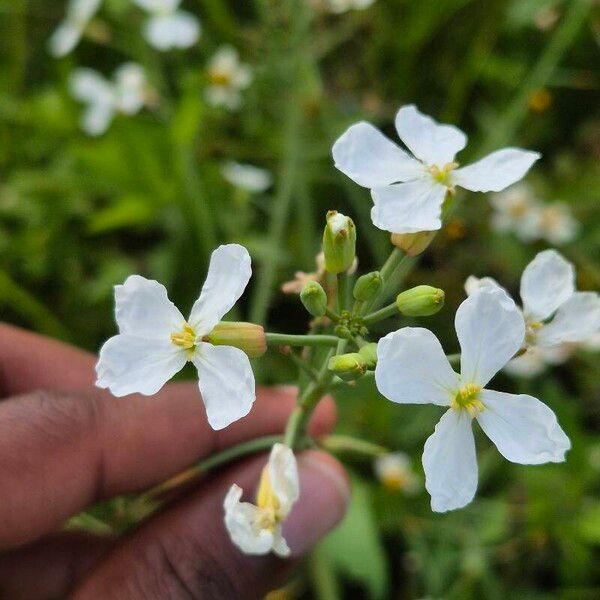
(144, 169)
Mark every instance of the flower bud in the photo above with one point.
(369, 354)
(339, 242)
(314, 298)
(348, 366)
(246, 336)
(367, 286)
(420, 301)
(413, 243)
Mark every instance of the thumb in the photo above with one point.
(185, 552)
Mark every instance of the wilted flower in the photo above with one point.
(247, 177)
(555, 313)
(168, 27)
(155, 341)
(256, 528)
(408, 191)
(301, 278)
(126, 94)
(394, 471)
(413, 369)
(227, 77)
(68, 34)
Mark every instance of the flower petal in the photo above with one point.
(143, 309)
(87, 85)
(547, 281)
(576, 320)
(408, 207)
(430, 142)
(129, 364)
(472, 284)
(370, 159)
(413, 369)
(96, 118)
(242, 523)
(450, 462)
(176, 30)
(524, 430)
(64, 39)
(283, 477)
(495, 171)
(226, 383)
(490, 330)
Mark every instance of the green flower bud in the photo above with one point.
(413, 243)
(342, 331)
(367, 286)
(339, 242)
(420, 301)
(246, 336)
(314, 298)
(369, 354)
(348, 366)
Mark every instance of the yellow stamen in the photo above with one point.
(467, 398)
(267, 502)
(530, 331)
(443, 175)
(219, 78)
(185, 339)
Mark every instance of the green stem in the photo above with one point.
(346, 443)
(342, 291)
(333, 316)
(283, 339)
(383, 313)
(390, 266)
(303, 365)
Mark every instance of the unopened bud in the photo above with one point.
(248, 337)
(339, 242)
(420, 301)
(314, 298)
(342, 331)
(348, 366)
(367, 286)
(413, 243)
(369, 354)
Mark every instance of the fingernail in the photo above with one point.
(324, 496)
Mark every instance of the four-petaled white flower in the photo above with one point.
(555, 313)
(68, 34)
(247, 177)
(126, 94)
(341, 6)
(155, 341)
(556, 224)
(227, 77)
(168, 27)
(394, 471)
(256, 528)
(413, 369)
(408, 191)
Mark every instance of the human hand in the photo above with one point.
(70, 445)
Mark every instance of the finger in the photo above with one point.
(61, 452)
(49, 568)
(185, 552)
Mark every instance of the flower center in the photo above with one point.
(531, 328)
(220, 78)
(186, 339)
(467, 398)
(518, 209)
(268, 503)
(442, 175)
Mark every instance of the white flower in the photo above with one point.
(256, 529)
(155, 341)
(395, 473)
(516, 210)
(408, 191)
(412, 368)
(555, 313)
(168, 27)
(342, 6)
(227, 76)
(247, 177)
(68, 34)
(125, 94)
(536, 360)
(556, 224)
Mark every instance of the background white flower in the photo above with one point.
(155, 341)
(125, 94)
(555, 313)
(68, 34)
(256, 529)
(394, 471)
(247, 177)
(556, 223)
(413, 369)
(341, 6)
(516, 210)
(227, 77)
(408, 191)
(168, 27)
(536, 360)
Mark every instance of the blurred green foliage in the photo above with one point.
(78, 214)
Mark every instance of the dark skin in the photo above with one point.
(65, 445)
